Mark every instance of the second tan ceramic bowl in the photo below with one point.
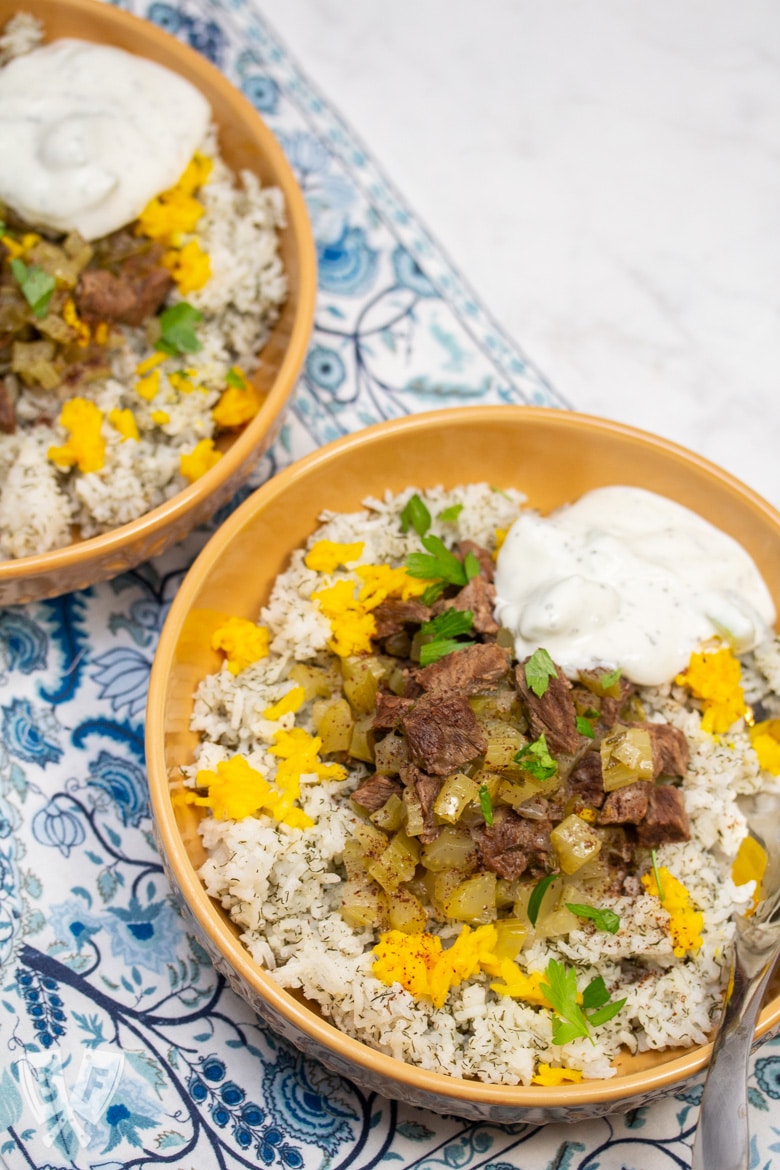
(246, 142)
(553, 457)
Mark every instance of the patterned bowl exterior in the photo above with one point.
(246, 143)
(553, 456)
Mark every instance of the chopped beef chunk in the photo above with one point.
(671, 753)
(129, 296)
(666, 820)
(390, 710)
(486, 563)
(586, 782)
(372, 793)
(426, 789)
(480, 597)
(513, 844)
(7, 411)
(554, 714)
(392, 615)
(627, 805)
(443, 733)
(475, 668)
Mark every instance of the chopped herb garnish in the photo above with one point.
(605, 919)
(486, 804)
(576, 1022)
(235, 379)
(439, 564)
(415, 515)
(177, 329)
(471, 566)
(657, 875)
(433, 592)
(450, 515)
(535, 759)
(433, 651)
(539, 669)
(585, 727)
(609, 679)
(537, 895)
(449, 624)
(37, 286)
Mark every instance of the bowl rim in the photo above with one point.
(650, 1080)
(198, 69)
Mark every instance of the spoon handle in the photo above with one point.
(722, 1139)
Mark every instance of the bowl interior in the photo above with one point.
(246, 142)
(553, 457)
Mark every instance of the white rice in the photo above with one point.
(39, 503)
(283, 886)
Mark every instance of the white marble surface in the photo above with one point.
(605, 175)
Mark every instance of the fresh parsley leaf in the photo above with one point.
(605, 919)
(449, 624)
(433, 592)
(450, 515)
(437, 563)
(657, 875)
(585, 727)
(560, 989)
(486, 804)
(539, 669)
(537, 895)
(471, 566)
(595, 994)
(234, 378)
(177, 329)
(433, 651)
(606, 1013)
(37, 286)
(535, 759)
(575, 1022)
(609, 679)
(444, 629)
(415, 515)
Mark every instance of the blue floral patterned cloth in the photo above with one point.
(120, 1044)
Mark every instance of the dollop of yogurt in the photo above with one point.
(90, 133)
(627, 578)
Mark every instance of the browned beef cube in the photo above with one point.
(443, 733)
(393, 615)
(376, 791)
(514, 844)
(130, 296)
(627, 805)
(390, 710)
(475, 668)
(666, 820)
(671, 753)
(585, 780)
(554, 714)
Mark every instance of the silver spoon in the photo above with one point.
(722, 1139)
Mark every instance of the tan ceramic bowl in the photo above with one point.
(246, 143)
(552, 456)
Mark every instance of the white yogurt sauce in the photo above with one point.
(89, 134)
(627, 578)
